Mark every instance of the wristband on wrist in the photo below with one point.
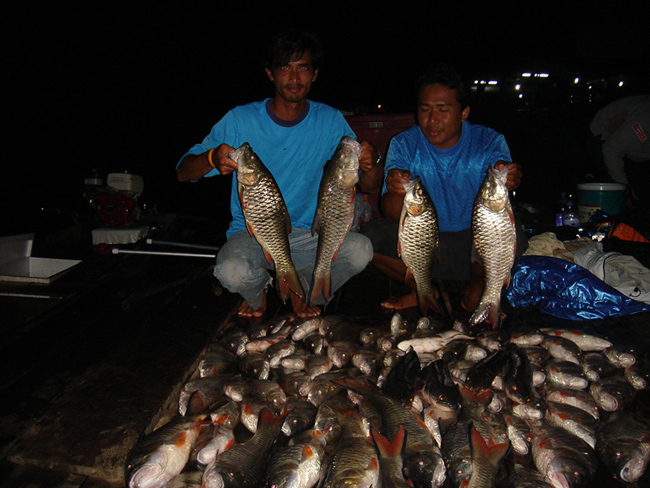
(210, 158)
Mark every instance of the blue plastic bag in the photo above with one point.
(566, 290)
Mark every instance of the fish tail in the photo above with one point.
(289, 282)
(322, 284)
(267, 417)
(386, 448)
(428, 301)
(492, 453)
(487, 311)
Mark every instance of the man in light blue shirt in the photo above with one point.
(294, 137)
(451, 157)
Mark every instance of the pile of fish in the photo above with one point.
(332, 401)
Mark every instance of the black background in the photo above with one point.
(130, 86)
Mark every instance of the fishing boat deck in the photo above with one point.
(87, 374)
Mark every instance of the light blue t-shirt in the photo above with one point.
(451, 176)
(295, 152)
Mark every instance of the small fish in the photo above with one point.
(433, 342)
(612, 393)
(334, 212)
(564, 349)
(623, 442)
(201, 394)
(267, 217)
(162, 455)
(494, 236)
(585, 341)
(297, 465)
(564, 459)
(418, 242)
(566, 373)
(574, 420)
(244, 464)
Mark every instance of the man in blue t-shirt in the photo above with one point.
(451, 157)
(294, 137)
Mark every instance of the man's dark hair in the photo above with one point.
(290, 44)
(448, 77)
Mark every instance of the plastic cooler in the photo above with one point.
(608, 197)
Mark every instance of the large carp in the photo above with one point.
(418, 241)
(493, 231)
(267, 217)
(335, 211)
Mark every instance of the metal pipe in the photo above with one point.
(182, 244)
(162, 253)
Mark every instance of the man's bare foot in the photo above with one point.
(401, 302)
(245, 310)
(301, 309)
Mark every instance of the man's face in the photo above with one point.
(293, 80)
(440, 116)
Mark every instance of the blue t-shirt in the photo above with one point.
(294, 152)
(451, 176)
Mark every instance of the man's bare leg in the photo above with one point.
(301, 309)
(474, 289)
(396, 270)
(245, 310)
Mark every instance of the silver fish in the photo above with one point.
(297, 465)
(423, 463)
(418, 241)
(612, 393)
(564, 459)
(354, 461)
(493, 230)
(574, 420)
(162, 455)
(623, 443)
(267, 217)
(243, 465)
(585, 341)
(334, 212)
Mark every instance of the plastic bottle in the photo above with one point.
(570, 215)
(561, 207)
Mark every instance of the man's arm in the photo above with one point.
(392, 200)
(195, 166)
(514, 174)
(372, 172)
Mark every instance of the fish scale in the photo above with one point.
(335, 211)
(267, 217)
(494, 236)
(418, 238)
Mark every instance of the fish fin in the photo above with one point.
(393, 448)
(180, 439)
(315, 225)
(268, 257)
(307, 452)
(289, 282)
(469, 396)
(249, 228)
(429, 301)
(321, 285)
(399, 249)
(267, 417)
(489, 451)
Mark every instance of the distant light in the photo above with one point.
(492, 82)
(521, 95)
(517, 87)
(482, 82)
(541, 75)
(526, 75)
(476, 82)
(620, 83)
(379, 106)
(576, 81)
